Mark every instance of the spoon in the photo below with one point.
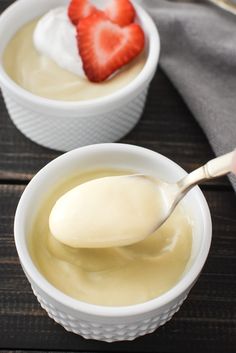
(123, 210)
(213, 169)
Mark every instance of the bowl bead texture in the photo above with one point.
(111, 332)
(65, 134)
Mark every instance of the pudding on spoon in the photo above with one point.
(108, 212)
(123, 210)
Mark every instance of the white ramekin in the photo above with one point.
(100, 322)
(67, 125)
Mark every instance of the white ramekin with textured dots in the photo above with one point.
(101, 322)
(68, 125)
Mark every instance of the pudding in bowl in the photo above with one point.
(113, 276)
(43, 58)
(67, 124)
(100, 321)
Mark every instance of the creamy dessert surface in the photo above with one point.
(41, 76)
(113, 276)
(108, 212)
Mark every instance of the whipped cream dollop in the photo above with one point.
(55, 37)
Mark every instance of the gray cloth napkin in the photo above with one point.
(198, 54)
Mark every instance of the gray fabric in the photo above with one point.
(198, 53)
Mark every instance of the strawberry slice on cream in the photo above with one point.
(105, 47)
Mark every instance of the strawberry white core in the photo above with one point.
(103, 50)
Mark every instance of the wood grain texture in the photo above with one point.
(4, 4)
(205, 321)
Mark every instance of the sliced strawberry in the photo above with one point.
(121, 12)
(106, 47)
(79, 9)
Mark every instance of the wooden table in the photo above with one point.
(206, 321)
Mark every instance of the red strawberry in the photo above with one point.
(121, 12)
(105, 47)
(79, 9)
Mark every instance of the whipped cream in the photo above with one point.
(55, 37)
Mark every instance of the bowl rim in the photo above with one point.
(36, 277)
(145, 75)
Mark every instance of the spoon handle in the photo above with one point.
(221, 165)
(216, 167)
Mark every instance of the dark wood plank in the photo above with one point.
(38, 351)
(4, 4)
(206, 320)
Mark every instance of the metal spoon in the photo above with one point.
(213, 169)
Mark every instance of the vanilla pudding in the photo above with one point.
(108, 212)
(38, 73)
(117, 276)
